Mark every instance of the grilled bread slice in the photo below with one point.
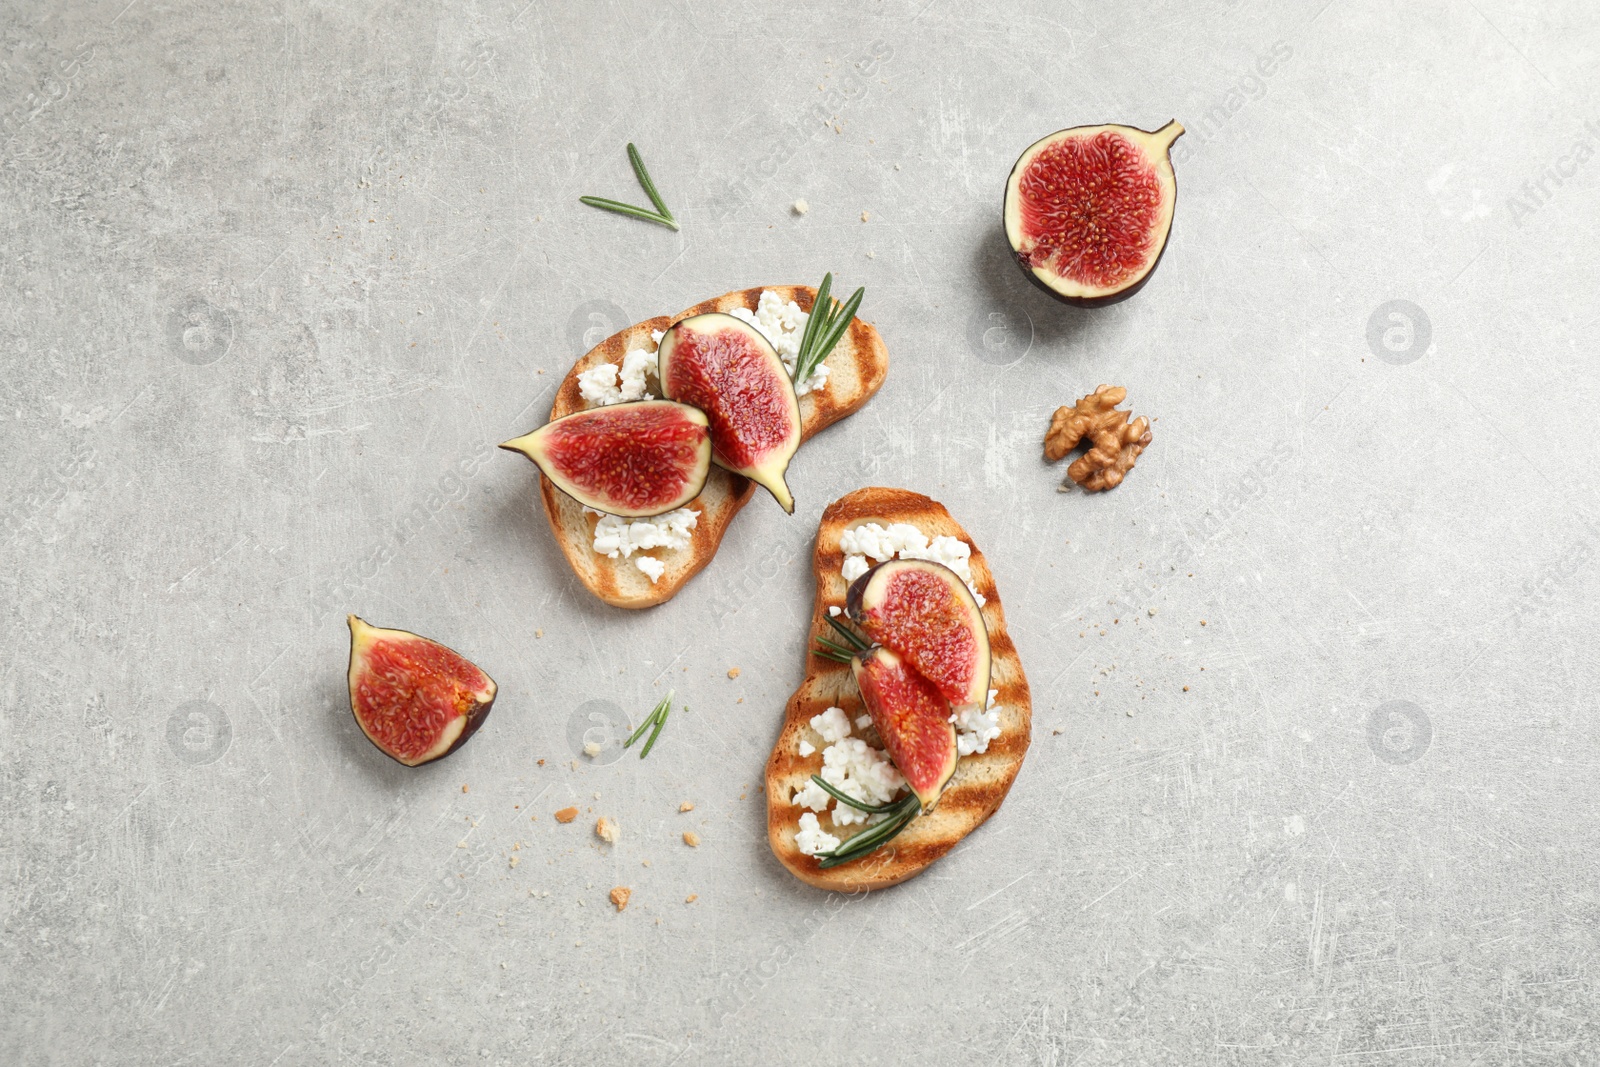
(857, 366)
(981, 780)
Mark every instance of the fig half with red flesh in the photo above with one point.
(912, 718)
(415, 699)
(635, 460)
(927, 615)
(1088, 210)
(726, 368)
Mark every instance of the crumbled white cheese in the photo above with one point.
(863, 721)
(976, 727)
(812, 796)
(812, 838)
(833, 611)
(907, 542)
(783, 324)
(616, 536)
(871, 539)
(858, 770)
(601, 385)
(851, 766)
(833, 725)
(854, 567)
(652, 567)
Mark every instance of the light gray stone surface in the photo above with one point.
(1313, 774)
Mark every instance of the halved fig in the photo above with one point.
(726, 368)
(635, 460)
(415, 699)
(925, 613)
(913, 719)
(1088, 210)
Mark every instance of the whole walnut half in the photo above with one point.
(1114, 442)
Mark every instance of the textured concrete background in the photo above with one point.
(277, 276)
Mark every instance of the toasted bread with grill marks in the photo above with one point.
(981, 780)
(857, 366)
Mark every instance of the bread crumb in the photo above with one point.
(801, 207)
(566, 814)
(645, 863)
(592, 749)
(1202, 622)
(872, 255)
(514, 861)
(538, 633)
(687, 805)
(691, 898)
(541, 763)
(691, 839)
(1152, 612)
(865, 216)
(1185, 689)
(464, 789)
(733, 672)
(606, 830)
(1055, 733)
(620, 895)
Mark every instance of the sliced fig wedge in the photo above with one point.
(913, 719)
(634, 460)
(415, 699)
(1088, 210)
(726, 368)
(925, 613)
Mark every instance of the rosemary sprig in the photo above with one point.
(660, 215)
(830, 650)
(859, 805)
(824, 328)
(656, 718)
(841, 653)
(861, 643)
(872, 839)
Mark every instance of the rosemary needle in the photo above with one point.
(657, 718)
(825, 327)
(660, 215)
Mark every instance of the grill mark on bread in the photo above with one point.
(861, 364)
(982, 781)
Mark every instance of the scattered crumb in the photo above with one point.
(865, 216)
(644, 863)
(739, 701)
(1130, 713)
(687, 805)
(691, 898)
(464, 789)
(541, 763)
(1151, 612)
(872, 255)
(566, 814)
(801, 207)
(691, 839)
(733, 672)
(1055, 733)
(592, 749)
(1185, 689)
(538, 633)
(606, 830)
(1202, 622)
(514, 861)
(897, 166)
(620, 895)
